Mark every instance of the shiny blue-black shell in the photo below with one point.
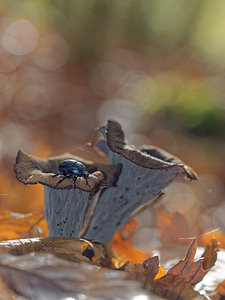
(73, 167)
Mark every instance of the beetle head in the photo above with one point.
(85, 174)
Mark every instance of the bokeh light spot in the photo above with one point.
(180, 198)
(52, 52)
(146, 239)
(140, 297)
(20, 37)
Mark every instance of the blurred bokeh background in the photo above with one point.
(157, 66)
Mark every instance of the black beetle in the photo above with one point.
(72, 168)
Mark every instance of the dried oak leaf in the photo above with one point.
(175, 287)
(220, 291)
(44, 276)
(210, 254)
(210, 285)
(6, 292)
(179, 280)
(145, 272)
(65, 247)
(169, 286)
(192, 271)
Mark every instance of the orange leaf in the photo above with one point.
(160, 273)
(14, 225)
(17, 197)
(123, 247)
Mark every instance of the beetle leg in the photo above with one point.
(61, 180)
(74, 179)
(56, 174)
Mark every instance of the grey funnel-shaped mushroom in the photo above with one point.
(115, 191)
(145, 173)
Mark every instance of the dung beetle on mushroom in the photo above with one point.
(72, 168)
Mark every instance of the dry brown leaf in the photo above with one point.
(145, 272)
(47, 277)
(212, 284)
(169, 286)
(189, 269)
(210, 254)
(68, 248)
(178, 282)
(173, 228)
(6, 292)
(218, 293)
(175, 287)
(221, 290)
